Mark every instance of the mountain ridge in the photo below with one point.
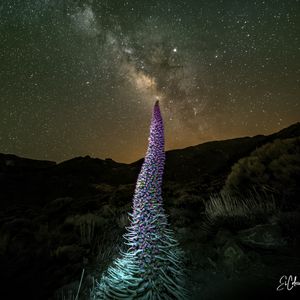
(23, 179)
(293, 129)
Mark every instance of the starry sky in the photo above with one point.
(80, 77)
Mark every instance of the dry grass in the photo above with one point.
(231, 210)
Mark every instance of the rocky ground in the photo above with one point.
(45, 249)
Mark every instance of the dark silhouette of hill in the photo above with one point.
(36, 181)
(217, 157)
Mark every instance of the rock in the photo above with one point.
(266, 236)
(222, 237)
(290, 223)
(199, 255)
(233, 258)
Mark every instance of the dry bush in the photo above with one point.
(274, 167)
(225, 209)
(86, 225)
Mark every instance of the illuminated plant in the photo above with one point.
(151, 268)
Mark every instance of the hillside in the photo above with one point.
(33, 181)
(56, 219)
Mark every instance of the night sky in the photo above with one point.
(80, 77)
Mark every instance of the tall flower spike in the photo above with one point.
(152, 266)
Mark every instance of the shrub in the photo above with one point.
(275, 168)
(187, 200)
(122, 195)
(225, 209)
(86, 225)
(69, 252)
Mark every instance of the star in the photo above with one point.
(76, 78)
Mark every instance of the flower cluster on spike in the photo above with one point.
(152, 267)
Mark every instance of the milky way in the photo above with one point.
(80, 77)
